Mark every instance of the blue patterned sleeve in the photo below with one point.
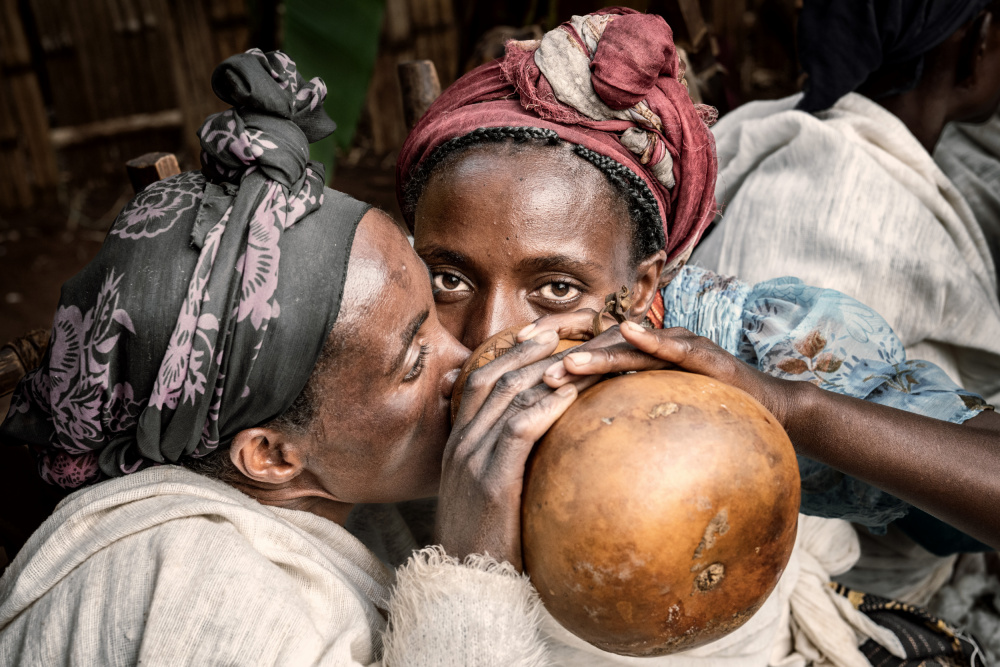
(793, 331)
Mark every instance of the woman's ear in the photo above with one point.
(647, 282)
(266, 455)
(974, 54)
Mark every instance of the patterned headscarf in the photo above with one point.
(208, 305)
(610, 82)
(842, 42)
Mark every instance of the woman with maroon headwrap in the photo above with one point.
(633, 120)
(512, 142)
(543, 182)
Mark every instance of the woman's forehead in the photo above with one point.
(541, 190)
(383, 272)
(519, 163)
(528, 242)
(534, 207)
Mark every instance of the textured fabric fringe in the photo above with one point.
(473, 612)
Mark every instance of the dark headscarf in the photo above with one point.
(208, 305)
(610, 82)
(842, 42)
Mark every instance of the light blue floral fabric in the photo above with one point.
(788, 329)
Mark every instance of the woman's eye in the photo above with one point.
(559, 291)
(449, 282)
(418, 367)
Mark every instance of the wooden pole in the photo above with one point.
(24, 104)
(419, 83)
(150, 168)
(686, 20)
(61, 137)
(695, 22)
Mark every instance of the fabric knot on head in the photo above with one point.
(610, 83)
(604, 66)
(582, 62)
(173, 338)
(649, 147)
(275, 115)
(633, 52)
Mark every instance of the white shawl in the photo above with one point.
(970, 156)
(166, 567)
(848, 199)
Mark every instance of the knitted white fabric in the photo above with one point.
(848, 199)
(431, 606)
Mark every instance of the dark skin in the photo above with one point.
(387, 438)
(961, 82)
(490, 217)
(559, 241)
(948, 470)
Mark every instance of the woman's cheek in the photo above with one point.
(453, 317)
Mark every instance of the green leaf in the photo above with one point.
(338, 42)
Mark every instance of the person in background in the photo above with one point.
(969, 155)
(837, 186)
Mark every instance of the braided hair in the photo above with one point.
(644, 214)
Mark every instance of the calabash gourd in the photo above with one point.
(658, 512)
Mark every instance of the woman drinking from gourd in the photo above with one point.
(545, 181)
(541, 183)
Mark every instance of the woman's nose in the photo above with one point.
(454, 356)
(498, 311)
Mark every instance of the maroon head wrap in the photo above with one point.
(611, 82)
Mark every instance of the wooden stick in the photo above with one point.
(150, 168)
(20, 356)
(419, 83)
(26, 103)
(191, 55)
(686, 19)
(695, 22)
(61, 137)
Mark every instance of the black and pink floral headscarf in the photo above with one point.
(205, 310)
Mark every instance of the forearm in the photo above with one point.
(951, 471)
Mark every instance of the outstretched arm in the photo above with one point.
(951, 471)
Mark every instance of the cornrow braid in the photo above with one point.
(642, 206)
(644, 213)
(453, 147)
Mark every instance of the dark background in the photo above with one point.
(89, 84)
